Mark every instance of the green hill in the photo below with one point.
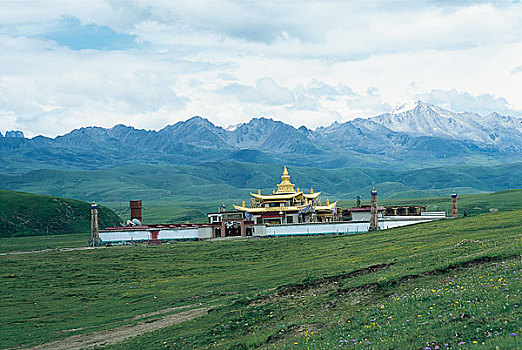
(186, 192)
(25, 214)
(226, 180)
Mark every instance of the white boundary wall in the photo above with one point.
(191, 233)
(145, 235)
(333, 228)
(124, 236)
(259, 230)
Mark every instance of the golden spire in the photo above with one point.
(285, 186)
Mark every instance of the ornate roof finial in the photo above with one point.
(285, 186)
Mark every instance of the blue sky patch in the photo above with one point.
(71, 33)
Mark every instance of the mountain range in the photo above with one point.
(191, 167)
(416, 135)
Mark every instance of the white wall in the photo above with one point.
(189, 233)
(204, 232)
(315, 228)
(361, 215)
(120, 236)
(335, 228)
(259, 230)
(144, 235)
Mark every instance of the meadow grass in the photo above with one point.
(267, 293)
(23, 244)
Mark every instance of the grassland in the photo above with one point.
(35, 243)
(374, 290)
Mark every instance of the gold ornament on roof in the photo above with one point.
(285, 186)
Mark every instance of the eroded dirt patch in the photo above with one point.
(117, 335)
(319, 286)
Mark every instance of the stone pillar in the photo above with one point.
(455, 210)
(243, 228)
(223, 229)
(374, 221)
(95, 231)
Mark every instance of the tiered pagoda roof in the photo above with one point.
(285, 191)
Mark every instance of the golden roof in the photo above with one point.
(311, 195)
(283, 209)
(326, 207)
(285, 186)
(269, 209)
(285, 191)
(275, 196)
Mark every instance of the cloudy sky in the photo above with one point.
(68, 64)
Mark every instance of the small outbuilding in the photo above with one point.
(363, 213)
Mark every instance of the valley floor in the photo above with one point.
(439, 285)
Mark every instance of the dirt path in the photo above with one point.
(117, 335)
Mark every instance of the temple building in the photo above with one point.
(288, 206)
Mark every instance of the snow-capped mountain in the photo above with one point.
(423, 119)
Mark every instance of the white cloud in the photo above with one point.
(302, 62)
(265, 90)
(458, 101)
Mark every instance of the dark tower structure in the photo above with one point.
(135, 207)
(374, 221)
(455, 210)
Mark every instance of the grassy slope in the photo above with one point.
(25, 214)
(90, 289)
